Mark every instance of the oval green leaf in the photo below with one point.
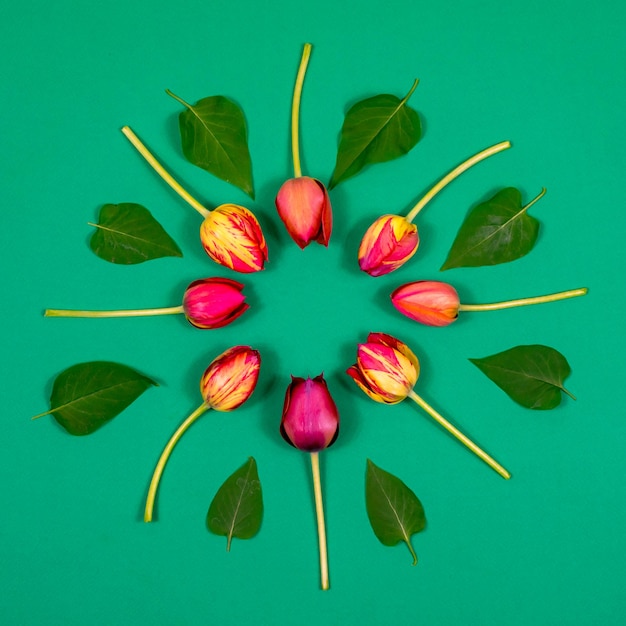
(496, 231)
(394, 511)
(214, 137)
(237, 508)
(128, 234)
(531, 375)
(88, 395)
(375, 130)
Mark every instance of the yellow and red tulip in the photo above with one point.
(310, 419)
(232, 237)
(304, 207)
(386, 369)
(230, 379)
(387, 244)
(428, 302)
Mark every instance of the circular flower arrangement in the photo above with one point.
(213, 134)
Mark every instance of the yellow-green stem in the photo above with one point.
(295, 110)
(457, 171)
(162, 172)
(165, 455)
(493, 464)
(171, 310)
(508, 304)
(321, 526)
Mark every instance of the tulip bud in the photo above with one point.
(429, 302)
(386, 369)
(232, 237)
(230, 379)
(387, 244)
(213, 302)
(304, 207)
(310, 419)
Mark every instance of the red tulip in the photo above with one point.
(213, 302)
(387, 244)
(429, 302)
(310, 419)
(304, 207)
(232, 237)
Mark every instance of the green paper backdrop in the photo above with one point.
(545, 547)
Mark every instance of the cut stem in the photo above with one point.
(165, 455)
(295, 110)
(493, 464)
(457, 171)
(163, 173)
(171, 310)
(508, 304)
(321, 526)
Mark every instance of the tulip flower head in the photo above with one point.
(213, 302)
(304, 207)
(232, 237)
(310, 419)
(386, 369)
(387, 244)
(435, 303)
(429, 302)
(231, 378)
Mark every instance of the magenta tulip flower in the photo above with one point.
(310, 422)
(207, 303)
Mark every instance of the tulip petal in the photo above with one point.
(429, 302)
(396, 344)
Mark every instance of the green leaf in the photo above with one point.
(375, 130)
(214, 137)
(496, 231)
(531, 375)
(394, 511)
(88, 395)
(128, 234)
(237, 508)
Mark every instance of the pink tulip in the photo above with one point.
(386, 369)
(387, 244)
(232, 237)
(428, 302)
(304, 207)
(213, 302)
(231, 378)
(310, 419)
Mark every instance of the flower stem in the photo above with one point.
(165, 455)
(508, 304)
(171, 310)
(457, 171)
(321, 526)
(295, 110)
(161, 171)
(493, 464)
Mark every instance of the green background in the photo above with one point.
(545, 547)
